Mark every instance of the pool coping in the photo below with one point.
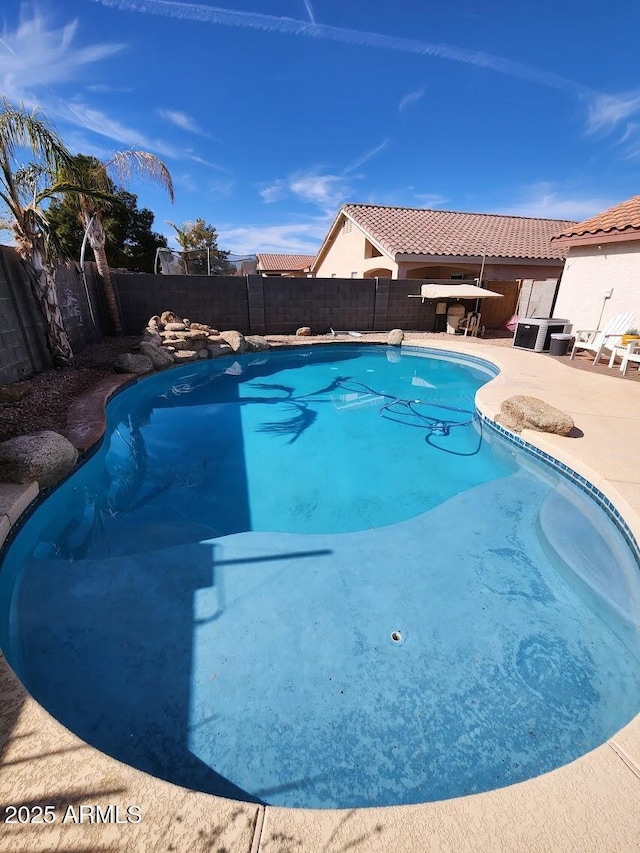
(590, 804)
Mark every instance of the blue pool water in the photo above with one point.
(212, 596)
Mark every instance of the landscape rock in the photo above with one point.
(202, 327)
(184, 356)
(202, 353)
(159, 357)
(216, 350)
(395, 337)
(169, 317)
(303, 331)
(257, 343)
(13, 393)
(152, 337)
(175, 327)
(235, 340)
(44, 456)
(127, 362)
(522, 412)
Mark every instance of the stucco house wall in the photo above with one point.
(346, 256)
(590, 271)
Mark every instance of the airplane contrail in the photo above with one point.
(356, 38)
(309, 8)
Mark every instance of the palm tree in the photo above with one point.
(92, 209)
(25, 199)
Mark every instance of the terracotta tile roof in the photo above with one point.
(622, 218)
(274, 263)
(417, 231)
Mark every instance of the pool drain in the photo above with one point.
(396, 636)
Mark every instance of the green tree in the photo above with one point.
(130, 241)
(195, 238)
(25, 192)
(97, 176)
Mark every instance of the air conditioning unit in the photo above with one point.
(534, 333)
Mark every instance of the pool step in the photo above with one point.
(590, 549)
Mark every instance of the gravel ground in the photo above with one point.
(50, 392)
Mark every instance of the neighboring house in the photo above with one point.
(372, 241)
(298, 266)
(602, 272)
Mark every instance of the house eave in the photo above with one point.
(597, 239)
(403, 257)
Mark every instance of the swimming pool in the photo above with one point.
(319, 605)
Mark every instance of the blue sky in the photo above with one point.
(269, 115)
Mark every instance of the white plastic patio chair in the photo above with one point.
(605, 340)
(631, 353)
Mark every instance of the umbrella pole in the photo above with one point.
(484, 258)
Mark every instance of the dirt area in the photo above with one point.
(50, 392)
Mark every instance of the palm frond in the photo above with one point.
(69, 188)
(21, 128)
(141, 163)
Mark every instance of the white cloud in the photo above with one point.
(294, 238)
(182, 120)
(607, 111)
(543, 200)
(430, 200)
(325, 190)
(38, 54)
(221, 189)
(102, 88)
(274, 192)
(410, 98)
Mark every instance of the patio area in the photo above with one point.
(590, 804)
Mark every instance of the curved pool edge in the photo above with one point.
(44, 762)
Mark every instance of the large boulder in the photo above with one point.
(169, 317)
(303, 331)
(159, 357)
(174, 327)
(522, 412)
(395, 337)
(257, 343)
(185, 355)
(152, 337)
(128, 362)
(215, 350)
(44, 456)
(235, 340)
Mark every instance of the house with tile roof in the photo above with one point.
(375, 241)
(601, 278)
(287, 265)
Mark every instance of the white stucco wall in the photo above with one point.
(589, 272)
(346, 256)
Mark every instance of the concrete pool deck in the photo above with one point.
(590, 804)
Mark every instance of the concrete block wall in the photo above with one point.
(83, 325)
(23, 349)
(406, 313)
(221, 301)
(22, 344)
(321, 303)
